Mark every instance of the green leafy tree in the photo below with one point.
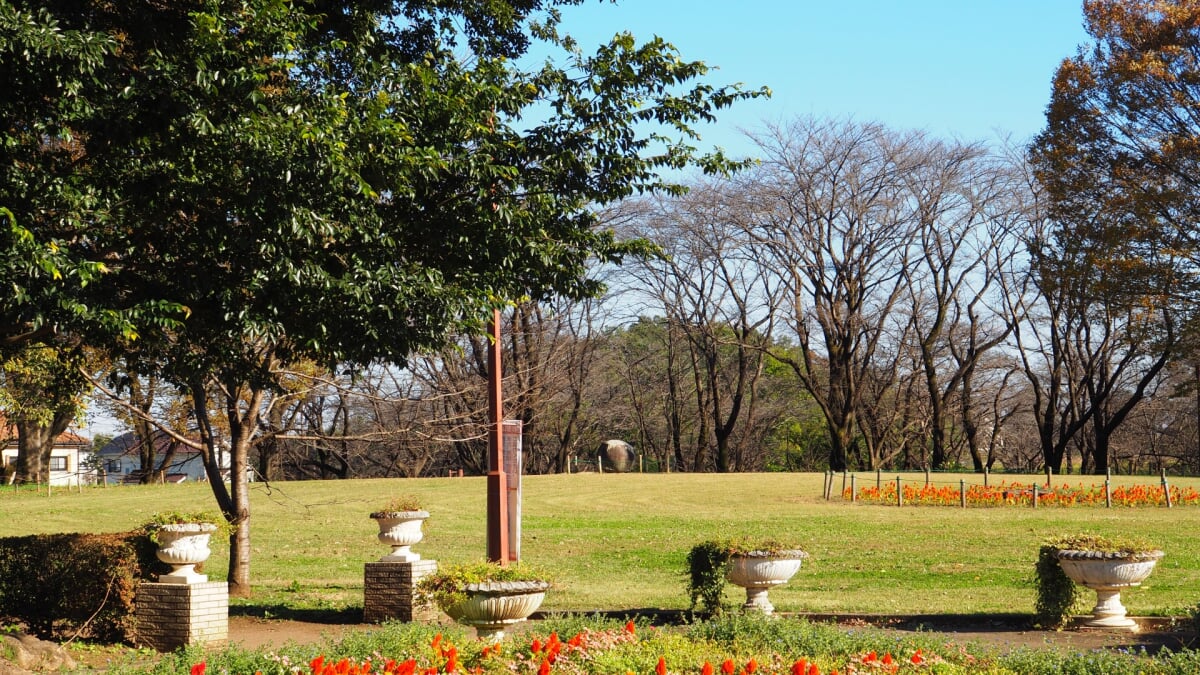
(350, 182)
(42, 391)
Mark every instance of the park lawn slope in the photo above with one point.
(618, 541)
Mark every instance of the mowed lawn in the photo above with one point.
(619, 541)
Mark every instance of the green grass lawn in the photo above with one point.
(619, 541)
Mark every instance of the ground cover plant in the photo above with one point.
(731, 645)
(619, 541)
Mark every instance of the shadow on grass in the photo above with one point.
(331, 616)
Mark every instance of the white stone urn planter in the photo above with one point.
(1108, 574)
(759, 571)
(183, 546)
(400, 530)
(492, 606)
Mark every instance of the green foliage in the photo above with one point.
(1124, 547)
(447, 586)
(40, 381)
(69, 585)
(223, 527)
(399, 504)
(774, 645)
(1056, 596)
(708, 563)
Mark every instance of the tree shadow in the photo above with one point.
(279, 612)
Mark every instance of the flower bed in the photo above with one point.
(734, 645)
(580, 654)
(1015, 494)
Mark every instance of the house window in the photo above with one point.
(113, 466)
(58, 463)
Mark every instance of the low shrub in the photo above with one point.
(61, 586)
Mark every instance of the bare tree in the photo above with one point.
(838, 221)
(713, 294)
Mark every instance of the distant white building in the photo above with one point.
(70, 463)
(174, 462)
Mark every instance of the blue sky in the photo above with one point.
(966, 69)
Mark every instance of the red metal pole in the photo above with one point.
(497, 481)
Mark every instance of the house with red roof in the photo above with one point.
(70, 460)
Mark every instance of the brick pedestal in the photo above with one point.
(388, 590)
(170, 616)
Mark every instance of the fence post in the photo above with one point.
(853, 491)
(1108, 493)
(1166, 488)
(985, 476)
(599, 464)
(879, 479)
(641, 464)
(843, 481)
(1049, 473)
(1035, 495)
(926, 475)
(899, 493)
(962, 493)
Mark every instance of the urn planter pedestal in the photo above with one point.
(1108, 574)
(758, 572)
(400, 530)
(183, 546)
(492, 606)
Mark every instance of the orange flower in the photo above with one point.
(661, 668)
(800, 667)
(706, 669)
(544, 669)
(887, 659)
(727, 667)
(751, 666)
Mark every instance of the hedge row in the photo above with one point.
(62, 586)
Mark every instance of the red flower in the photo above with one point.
(727, 667)
(751, 666)
(917, 658)
(315, 664)
(536, 646)
(800, 667)
(887, 659)
(661, 668)
(544, 669)
(706, 669)
(198, 669)
(629, 628)
(814, 670)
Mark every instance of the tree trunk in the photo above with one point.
(35, 443)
